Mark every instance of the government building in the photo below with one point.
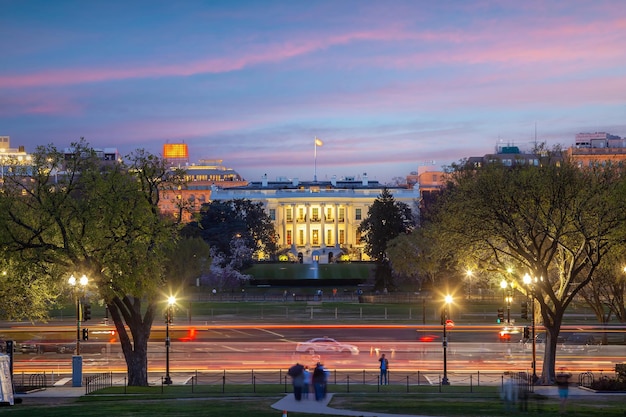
(317, 221)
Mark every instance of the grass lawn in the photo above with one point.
(178, 401)
(291, 271)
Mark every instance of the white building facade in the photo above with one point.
(317, 221)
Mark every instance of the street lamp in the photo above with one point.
(168, 319)
(529, 283)
(508, 298)
(445, 316)
(77, 360)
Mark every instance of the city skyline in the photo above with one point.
(387, 86)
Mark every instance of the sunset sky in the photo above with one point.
(388, 86)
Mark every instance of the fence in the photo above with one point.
(277, 381)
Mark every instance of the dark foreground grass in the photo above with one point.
(152, 402)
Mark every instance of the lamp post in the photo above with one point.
(507, 299)
(529, 283)
(444, 321)
(469, 274)
(168, 319)
(77, 360)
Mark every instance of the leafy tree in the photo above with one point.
(386, 219)
(219, 222)
(78, 216)
(554, 222)
(189, 259)
(605, 292)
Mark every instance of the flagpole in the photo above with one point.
(315, 160)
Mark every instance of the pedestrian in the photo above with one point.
(562, 382)
(384, 369)
(306, 388)
(508, 392)
(319, 382)
(296, 373)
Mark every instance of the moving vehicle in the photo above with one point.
(326, 345)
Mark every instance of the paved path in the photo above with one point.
(290, 404)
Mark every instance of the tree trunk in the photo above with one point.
(128, 311)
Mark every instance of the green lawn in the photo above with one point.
(178, 401)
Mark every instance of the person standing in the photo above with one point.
(306, 388)
(319, 381)
(384, 369)
(562, 382)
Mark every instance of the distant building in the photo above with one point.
(182, 201)
(597, 148)
(11, 156)
(317, 221)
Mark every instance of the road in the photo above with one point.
(244, 347)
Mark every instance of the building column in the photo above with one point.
(323, 230)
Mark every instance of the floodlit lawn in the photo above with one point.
(290, 271)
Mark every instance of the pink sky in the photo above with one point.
(387, 86)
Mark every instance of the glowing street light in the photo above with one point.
(168, 319)
(528, 281)
(445, 317)
(77, 360)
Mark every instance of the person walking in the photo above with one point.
(384, 369)
(507, 393)
(562, 382)
(296, 373)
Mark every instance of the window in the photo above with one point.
(289, 237)
(301, 237)
(342, 214)
(301, 214)
(342, 237)
(329, 213)
(289, 214)
(358, 238)
(357, 214)
(329, 237)
(316, 214)
(316, 237)
(273, 214)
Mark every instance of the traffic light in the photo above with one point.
(87, 312)
(85, 334)
(525, 310)
(500, 315)
(526, 333)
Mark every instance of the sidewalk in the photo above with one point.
(290, 404)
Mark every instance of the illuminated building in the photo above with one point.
(317, 221)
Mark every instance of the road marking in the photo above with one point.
(273, 333)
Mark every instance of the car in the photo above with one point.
(580, 342)
(326, 345)
(505, 333)
(427, 337)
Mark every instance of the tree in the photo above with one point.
(189, 259)
(219, 222)
(554, 222)
(386, 219)
(79, 216)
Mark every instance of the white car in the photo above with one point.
(326, 345)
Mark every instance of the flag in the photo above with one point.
(318, 142)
